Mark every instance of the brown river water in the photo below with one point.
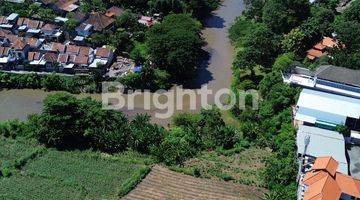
(215, 72)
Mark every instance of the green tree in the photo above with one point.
(283, 15)
(177, 146)
(259, 47)
(59, 123)
(144, 135)
(175, 46)
(294, 41)
(353, 12)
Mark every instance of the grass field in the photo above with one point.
(15, 153)
(67, 174)
(245, 167)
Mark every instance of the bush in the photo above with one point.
(144, 135)
(177, 146)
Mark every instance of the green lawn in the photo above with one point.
(68, 174)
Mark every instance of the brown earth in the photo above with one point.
(163, 184)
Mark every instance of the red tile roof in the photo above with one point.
(114, 12)
(328, 164)
(33, 56)
(84, 50)
(4, 33)
(49, 27)
(323, 184)
(63, 58)
(3, 20)
(51, 57)
(58, 47)
(81, 60)
(4, 51)
(72, 49)
(313, 53)
(103, 52)
(32, 41)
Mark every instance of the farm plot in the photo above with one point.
(71, 175)
(162, 183)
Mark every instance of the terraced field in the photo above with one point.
(162, 184)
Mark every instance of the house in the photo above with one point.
(30, 26)
(80, 16)
(8, 22)
(35, 59)
(147, 21)
(327, 110)
(320, 49)
(103, 56)
(99, 21)
(84, 30)
(114, 12)
(6, 56)
(62, 6)
(51, 31)
(57, 47)
(34, 43)
(324, 182)
(326, 78)
(314, 142)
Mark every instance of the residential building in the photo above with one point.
(99, 21)
(147, 21)
(324, 182)
(84, 29)
(114, 12)
(326, 78)
(327, 110)
(29, 26)
(62, 6)
(320, 49)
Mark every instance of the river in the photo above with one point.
(215, 71)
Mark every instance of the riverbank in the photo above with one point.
(215, 71)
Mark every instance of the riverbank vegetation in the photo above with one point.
(71, 128)
(51, 82)
(270, 37)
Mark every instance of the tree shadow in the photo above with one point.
(214, 22)
(203, 75)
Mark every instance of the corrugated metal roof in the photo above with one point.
(329, 103)
(323, 143)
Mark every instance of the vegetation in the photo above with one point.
(53, 82)
(72, 174)
(175, 46)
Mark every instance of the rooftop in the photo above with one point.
(339, 74)
(324, 185)
(321, 143)
(99, 21)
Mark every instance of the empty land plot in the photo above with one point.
(162, 184)
(245, 167)
(71, 175)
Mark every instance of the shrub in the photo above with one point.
(144, 135)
